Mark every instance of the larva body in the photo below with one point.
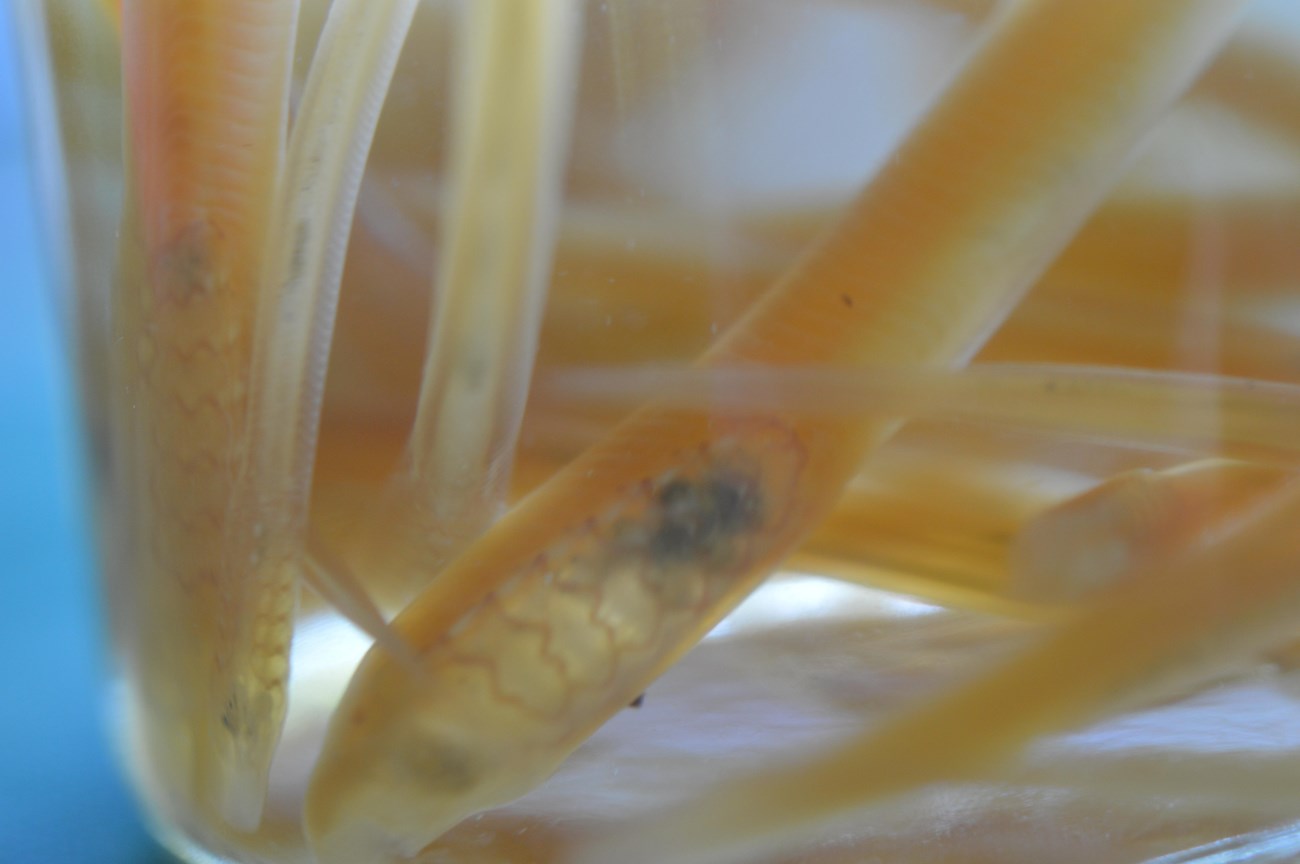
(205, 87)
(1096, 538)
(920, 268)
(572, 633)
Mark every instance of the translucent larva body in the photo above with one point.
(1133, 518)
(921, 267)
(206, 93)
(513, 684)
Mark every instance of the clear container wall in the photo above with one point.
(725, 210)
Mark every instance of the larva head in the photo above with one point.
(403, 762)
(246, 697)
(244, 733)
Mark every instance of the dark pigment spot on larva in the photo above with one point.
(737, 503)
(697, 518)
(244, 711)
(185, 268)
(439, 764)
(231, 715)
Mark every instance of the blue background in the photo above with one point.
(61, 797)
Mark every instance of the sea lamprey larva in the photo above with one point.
(206, 93)
(992, 183)
(891, 410)
(570, 634)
